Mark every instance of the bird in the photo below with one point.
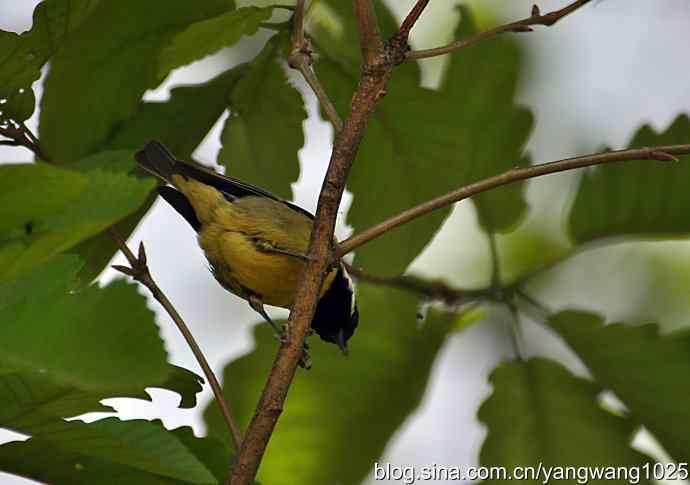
(255, 242)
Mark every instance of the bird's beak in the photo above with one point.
(340, 341)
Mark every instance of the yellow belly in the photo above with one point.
(240, 266)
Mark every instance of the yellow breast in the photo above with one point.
(232, 238)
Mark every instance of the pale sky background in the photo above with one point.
(591, 80)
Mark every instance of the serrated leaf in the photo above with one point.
(203, 38)
(422, 143)
(320, 438)
(107, 198)
(20, 184)
(637, 199)
(32, 401)
(181, 123)
(19, 105)
(541, 414)
(110, 449)
(96, 339)
(107, 65)
(22, 56)
(264, 130)
(649, 373)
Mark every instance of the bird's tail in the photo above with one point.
(157, 160)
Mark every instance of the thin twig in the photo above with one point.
(523, 25)
(412, 17)
(369, 35)
(662, 153)
(428, 290)
(495, 264)
(138, 270)
(321, 95)
(302, 60)
(515, 330)
(376, 71)
(20, 135)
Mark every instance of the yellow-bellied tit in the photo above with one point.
(254, 241)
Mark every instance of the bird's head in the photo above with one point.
(337, 316)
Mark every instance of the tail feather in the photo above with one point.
(156, 159)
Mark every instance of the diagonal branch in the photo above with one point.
(523, 25)
(662, 153)
(138, 270)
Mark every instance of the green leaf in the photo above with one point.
(539, 413)
(264, 130)
(212, 452)
(22, 56)
(20, 184)
(422, 143)
(328, 432)
(20, 105)
(182, 122)
(203, 38)
(648, 372)
(96, 339)
(33, 401)
(110, 449)
(647, 199)
(107, 65)
(107, 198)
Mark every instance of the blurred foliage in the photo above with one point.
(640, 366)
(539, 413)
(65, 345)
(639, 199)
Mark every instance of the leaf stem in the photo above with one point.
(662, 153)
(524, 25)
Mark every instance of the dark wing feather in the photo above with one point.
(155, 158)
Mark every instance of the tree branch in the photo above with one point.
(412, 17)
(378, 63)
(302, 60)
(662, 153)
(20, 135)
(369, 35)
(523, 25)
(139, 271)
